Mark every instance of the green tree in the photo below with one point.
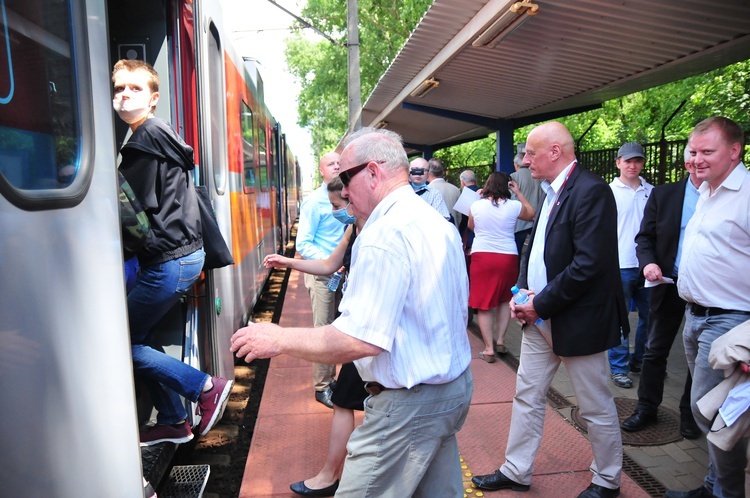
(321, 66)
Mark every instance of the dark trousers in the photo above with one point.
(664, 324)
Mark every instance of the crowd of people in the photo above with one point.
(584, 252)
(591, 251)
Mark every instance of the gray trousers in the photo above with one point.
(588, 375)
(406, 445)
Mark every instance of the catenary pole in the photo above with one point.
(352, 46)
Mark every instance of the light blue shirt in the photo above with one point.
(688, 209)
(318, 232)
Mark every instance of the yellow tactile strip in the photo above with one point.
(469, 488)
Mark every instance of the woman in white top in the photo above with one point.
(494, 258)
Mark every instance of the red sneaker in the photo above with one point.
(166, 434)
(211, 404)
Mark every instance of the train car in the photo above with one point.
(72, 409)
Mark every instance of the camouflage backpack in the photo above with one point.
(133, 219)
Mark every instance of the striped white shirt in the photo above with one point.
(407, 294)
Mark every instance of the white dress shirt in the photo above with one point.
(407, 294)
(630, 206)
(716, 248)
(537, 273)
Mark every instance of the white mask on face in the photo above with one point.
(133, 109)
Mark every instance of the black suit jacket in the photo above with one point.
(659, 235)
(583, 296)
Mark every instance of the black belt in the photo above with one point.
(698, 310)
(376, 388)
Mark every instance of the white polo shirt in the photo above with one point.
(630, 206)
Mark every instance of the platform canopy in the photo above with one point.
(472, 67)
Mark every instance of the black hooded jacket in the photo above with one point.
(156, 162)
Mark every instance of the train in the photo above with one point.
(72, 410)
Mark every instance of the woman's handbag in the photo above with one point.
(218, 254)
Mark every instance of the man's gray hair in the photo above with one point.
(518, 160)
(380, 145)
(468, 176)
(436, 167)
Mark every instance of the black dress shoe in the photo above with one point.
(688, 428)
(493, 482)
(301, 489)
(638, 421)
(701, 492)
(596, 491)
(324, 397)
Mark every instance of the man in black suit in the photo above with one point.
(659, 245)
(574, 286)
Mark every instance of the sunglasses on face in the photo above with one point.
(417, 172)
(346, 175)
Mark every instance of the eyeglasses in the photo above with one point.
(346, 175)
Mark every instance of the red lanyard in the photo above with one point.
(555, 202)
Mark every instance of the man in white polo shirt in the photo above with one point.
(415, 364)
(631, 192)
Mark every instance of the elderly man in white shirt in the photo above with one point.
(715, 257)
(415, 365)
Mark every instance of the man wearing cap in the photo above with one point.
(631, 192)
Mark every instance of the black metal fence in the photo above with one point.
(664, 163)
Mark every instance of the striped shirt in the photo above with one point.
(408, 294)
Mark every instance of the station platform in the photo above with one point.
(290, 440)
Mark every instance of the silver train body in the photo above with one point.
(71, 409)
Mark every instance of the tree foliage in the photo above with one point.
(321, 66)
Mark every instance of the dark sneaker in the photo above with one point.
(622, 380)
(211, 404)
(635, 367)
(166, 434)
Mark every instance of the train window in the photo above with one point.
(217, 95)
(248, 149)
(40, 111)
(262, 158)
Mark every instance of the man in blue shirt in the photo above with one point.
(318, 234)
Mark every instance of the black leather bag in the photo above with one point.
(218, 254)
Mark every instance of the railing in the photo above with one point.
(664, 163)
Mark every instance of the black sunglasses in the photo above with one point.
(346, 175)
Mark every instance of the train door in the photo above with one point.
(68, 425)
(213, 165)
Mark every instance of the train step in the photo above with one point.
(186, 481)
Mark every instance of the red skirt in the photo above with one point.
(492, 275)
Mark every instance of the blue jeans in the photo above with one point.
(698, 335)
(158, 288)
(619, 356)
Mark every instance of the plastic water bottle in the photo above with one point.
(521, 297)
(334, 282)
